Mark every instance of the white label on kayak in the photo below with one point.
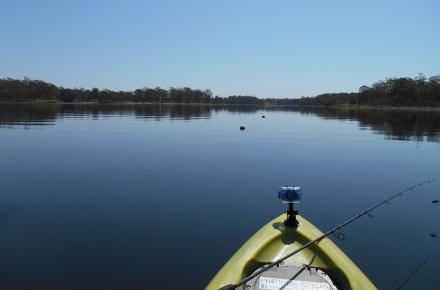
(276, 284)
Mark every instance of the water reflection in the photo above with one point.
(6, 213)
(46, 114)
(399, 124)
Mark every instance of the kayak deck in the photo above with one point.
(275, 240)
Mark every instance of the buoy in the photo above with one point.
(242, 127)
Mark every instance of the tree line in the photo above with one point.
(418, 91)
(27, 90)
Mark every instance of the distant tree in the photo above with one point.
(421, 78)
(435, 79)
(363, 89)
(94, 94)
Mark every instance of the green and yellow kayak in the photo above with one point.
(321, 266)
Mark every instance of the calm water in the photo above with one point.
(159, 197)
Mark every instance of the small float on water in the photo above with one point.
(261, 262)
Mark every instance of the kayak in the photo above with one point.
(323, 265)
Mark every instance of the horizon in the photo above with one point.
(269, 50)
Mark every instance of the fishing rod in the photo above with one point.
(323, 236)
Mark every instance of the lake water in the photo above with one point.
(160, 197)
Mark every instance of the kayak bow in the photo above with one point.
(276, 240)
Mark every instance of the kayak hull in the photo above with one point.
(275, 240)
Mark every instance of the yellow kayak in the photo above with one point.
(323, 265)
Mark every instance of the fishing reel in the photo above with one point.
(290, 195)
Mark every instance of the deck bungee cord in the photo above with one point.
(335, 230)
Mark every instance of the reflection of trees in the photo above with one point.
(393, 123)
(186, 112)
(39, 114)
(35, 114)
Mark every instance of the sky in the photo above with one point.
(266, 48)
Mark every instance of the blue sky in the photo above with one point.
(267, 48)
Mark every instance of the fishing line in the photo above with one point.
(413, 272)
(326, 234)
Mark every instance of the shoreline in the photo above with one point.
(339, 107)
